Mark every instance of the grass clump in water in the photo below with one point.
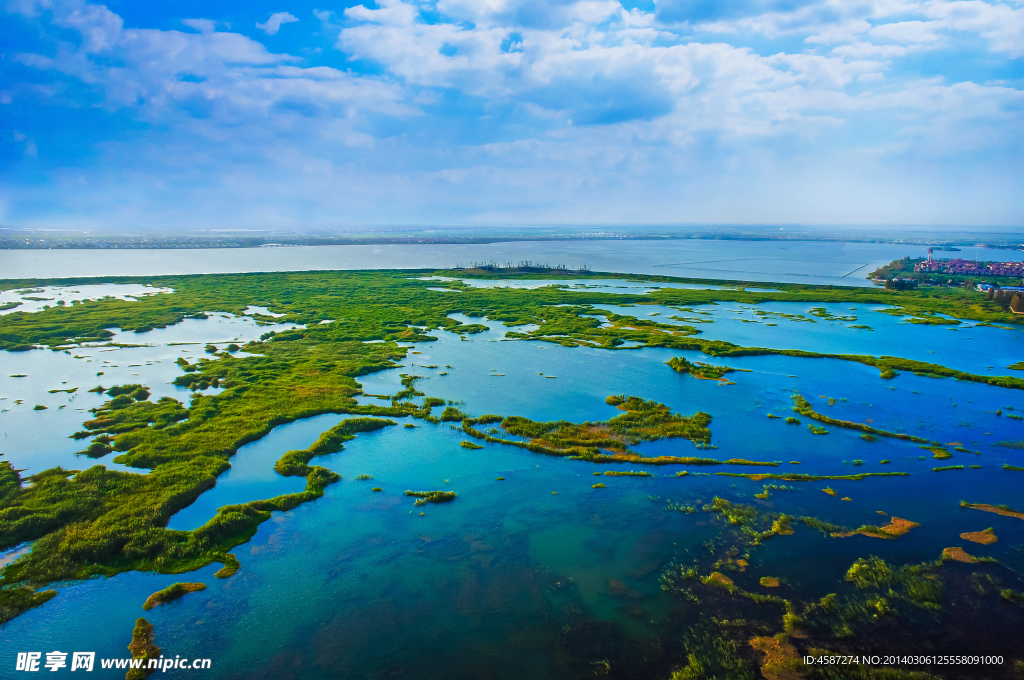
(698, 369)
(142, 647)
(452, 415)
(609, 440)
(1003, 510)
(803, 407)
(171, 593)
(938, 452)
(424, 497)
(16, 601)
(795, 477)
(896, 527)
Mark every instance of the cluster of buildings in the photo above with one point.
(971, 267)
(985, 287)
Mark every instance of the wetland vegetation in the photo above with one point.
(99, 521)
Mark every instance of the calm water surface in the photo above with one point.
(782, 261)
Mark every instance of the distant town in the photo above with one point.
(970, 268)
(101, 238)
(960, 273)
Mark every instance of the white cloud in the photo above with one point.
(907, 32)
(465, 116)
(201, 25)
(273, 24)
(1001, 25)
(219, 76)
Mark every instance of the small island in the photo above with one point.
(171, 593)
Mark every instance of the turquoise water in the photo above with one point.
(252, 474)
(540, 575)
(983, 350)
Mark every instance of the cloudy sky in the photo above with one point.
(301, 113)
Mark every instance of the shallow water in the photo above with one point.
(41, 297)
(539, 575)
(252, 475)
(81, 368)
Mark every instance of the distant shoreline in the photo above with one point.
(206, 243)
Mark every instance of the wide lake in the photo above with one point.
(833, 262)
(532, 572)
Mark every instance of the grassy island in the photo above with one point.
(1003, 510)
(804, 408)
(796, 477)
(171, 593)
(424, 497)
(958, 554)
(986, 537)
(142, 647)
(698, 370)
(894, 529)
(604, 441)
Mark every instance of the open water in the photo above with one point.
(833, 262)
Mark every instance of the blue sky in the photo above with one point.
(305, 114)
